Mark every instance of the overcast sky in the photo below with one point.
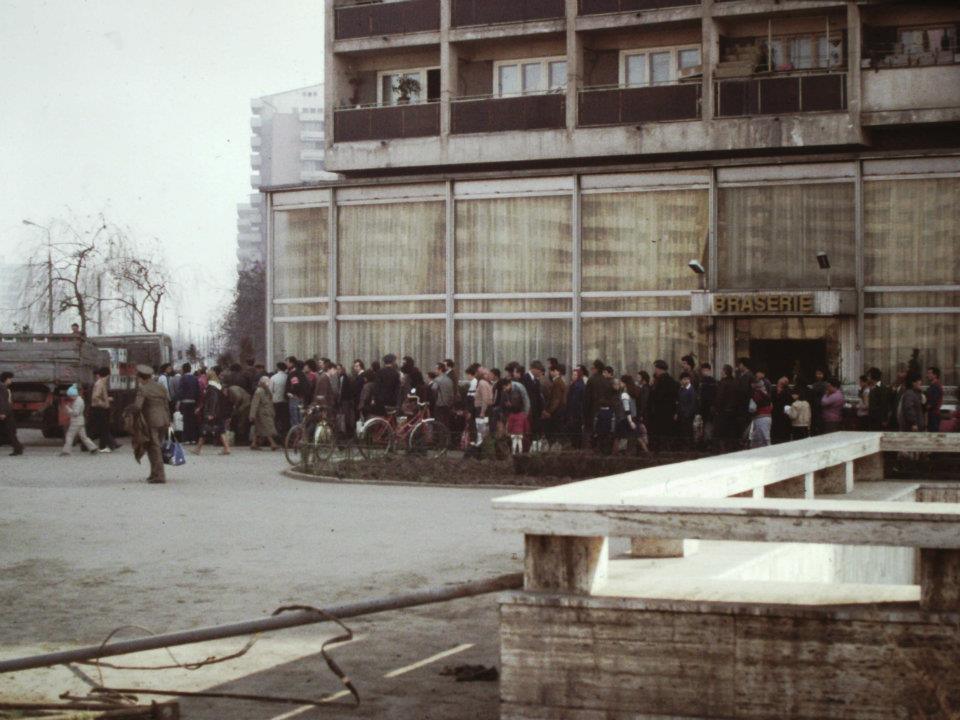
(141, 109)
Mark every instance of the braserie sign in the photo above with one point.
(762, 304)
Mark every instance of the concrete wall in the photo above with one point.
(591, 658)
(830, 564)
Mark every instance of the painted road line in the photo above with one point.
(307, 708)
(336, 696)
(294, 713)
(427, 661)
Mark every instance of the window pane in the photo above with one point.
(387, 94)
(661, 67)
(777, 57)
(912, 40)
(532, 77)
(558, 75)
(689, 58)
(823, 52)
(636, 70)
(801, 52)
(509, 80)
(414, 95)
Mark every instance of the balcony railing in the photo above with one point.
(394, 18)
(627, 106)
(491, 12)
(598, 7)
(386, 123)
(781, 95)
(524, 112)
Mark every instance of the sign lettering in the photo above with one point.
(763, 304)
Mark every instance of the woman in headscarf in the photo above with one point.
(213, 414)
(262, 415)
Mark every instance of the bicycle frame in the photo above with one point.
(401, 428)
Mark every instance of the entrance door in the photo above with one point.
(789, 358)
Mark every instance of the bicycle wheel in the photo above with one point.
(324, 442)
(430, 438)
(292, 443)
(376, 439)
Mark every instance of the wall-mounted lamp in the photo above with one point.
(699, 271)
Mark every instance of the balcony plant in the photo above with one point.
(404, 87)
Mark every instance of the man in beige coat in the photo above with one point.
(154, 404)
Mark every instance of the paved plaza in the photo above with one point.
(87, 546)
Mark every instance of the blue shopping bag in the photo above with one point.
(172, 451)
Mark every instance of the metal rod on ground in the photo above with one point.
(278, 622)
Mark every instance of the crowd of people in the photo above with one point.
(541, 406)
(544, 406)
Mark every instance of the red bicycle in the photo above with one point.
(419, 433)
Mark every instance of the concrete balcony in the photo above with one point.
(256, 122)
(386, 123)
(630, 106)
(311, 135)
(910, 95)
(781, 95)
(598, 7)
(314, 154)
(317, 176)
(255, 160)
(255, 141)
(475, 143)
(255, 181)
(466, 13)
(257, 105)
(525, 112)
(394, 18)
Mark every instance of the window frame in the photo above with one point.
(674, 51)
(544, 63)
(422, 71)
(945, 26)
(786, 43)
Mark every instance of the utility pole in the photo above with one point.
(99, 304)
(46, 229)
(49, 286)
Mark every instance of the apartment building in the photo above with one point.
(286, 148)
(630, 179)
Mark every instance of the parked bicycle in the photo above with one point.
(313, 439)
(419, 433)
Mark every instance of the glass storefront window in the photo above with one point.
(300, 253)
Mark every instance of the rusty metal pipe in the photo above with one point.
(428, 596)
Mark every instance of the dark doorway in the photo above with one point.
(789, 358)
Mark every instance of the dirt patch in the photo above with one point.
(445, 471)
(522, 471)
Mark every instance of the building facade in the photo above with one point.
(287, 147)
(543, 179)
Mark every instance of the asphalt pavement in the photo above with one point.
(87, 546)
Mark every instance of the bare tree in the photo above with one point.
(140, 281)
(64, 267)
(80, 266)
